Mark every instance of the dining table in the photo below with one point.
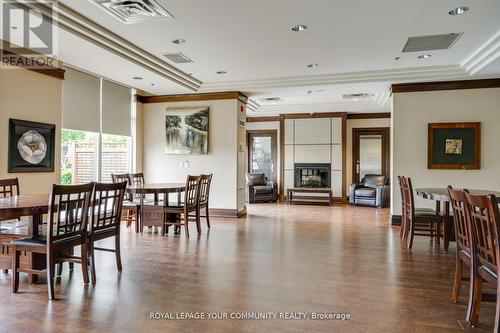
(32, 206)
(441, 197)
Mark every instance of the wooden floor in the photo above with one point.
(278, 259)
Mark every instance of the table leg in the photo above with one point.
(35, 261)
(330, 198)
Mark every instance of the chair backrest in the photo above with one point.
(372, 180)
(484, 215)
(69, 207)
(107, 206)
(122, 177)
(136, 179)
(205, 182)
(463, 228)
(256, 179)
(408, 200)
(401, 189)
(9, 187)
(192, 193)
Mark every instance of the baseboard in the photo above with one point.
(221, 212)
(335, 199)
(396, 219)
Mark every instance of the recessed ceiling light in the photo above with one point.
(299, 27)
(424, 56)
(152, 84)
(137, 78)
(458, 11)
(313, 65)
(221, 72)
(14, 27)
(397, 58)
(179, 41)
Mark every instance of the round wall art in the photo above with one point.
(32, 147)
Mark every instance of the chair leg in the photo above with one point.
(51, 266)
(71, 264)
(410, 234)
(477, 291)
(186, 228)
(91, 256)
(137, 219)
(198, 224)
(118, 253)
(207, 217)
(85, 262)
(458, 279)
(496, 328)
(15, 274)
(59, 269)
(6, 271)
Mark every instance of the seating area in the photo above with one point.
(232, 166)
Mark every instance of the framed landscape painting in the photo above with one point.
(186, 131)
(454, 146)
(31, 146)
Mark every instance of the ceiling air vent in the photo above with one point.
(429, 43)
(272, 100)
(133, 11)
(178, 58)
(357, 97)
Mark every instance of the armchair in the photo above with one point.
(259, 189)
(373, 191)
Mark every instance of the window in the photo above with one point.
(78, 157)
(116, 156)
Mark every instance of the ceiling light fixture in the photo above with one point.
(424, 56)
(299, 27)
(14, 27)
(458, 11)
(152, 84)
(137, 78)
(179, 41)
(221, 72)
(313, 65)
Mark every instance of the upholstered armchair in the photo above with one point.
(259, 189)
(373, 191)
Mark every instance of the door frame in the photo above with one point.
(274, 148)
(385, 132)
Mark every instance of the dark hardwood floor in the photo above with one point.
(278, 259)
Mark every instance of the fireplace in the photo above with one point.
(312, 174)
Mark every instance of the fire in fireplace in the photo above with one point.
(312, 174)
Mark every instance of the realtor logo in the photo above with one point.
(27, 27)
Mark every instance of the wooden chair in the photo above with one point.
(106, 220)
(403, 231)
(485, 224)
(205, 182)
(463, 235)
(130, 206)
(161, 215)
(69, 208)
(9, 188)
(421, 222)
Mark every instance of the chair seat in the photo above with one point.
(41, 240)
(263, 189)
(426, 212)
(366, 192)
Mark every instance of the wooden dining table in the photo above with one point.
(441, 197)
(33, 206)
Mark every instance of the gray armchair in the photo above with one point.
(373, 191)
(259, 189)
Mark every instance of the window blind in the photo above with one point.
(116, 109)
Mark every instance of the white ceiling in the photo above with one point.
(354, 42)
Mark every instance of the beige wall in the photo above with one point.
(222, 159)
(411, 114)
(27, 95)
(359, 123)
(137, 136)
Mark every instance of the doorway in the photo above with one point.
(262, 153)
(370, 152)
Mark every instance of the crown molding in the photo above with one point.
(483, 56)
(193, 97)
(378, 115)
(446, 85)
(405, 74)
(83, 27)
(262, 119)
(317, 108)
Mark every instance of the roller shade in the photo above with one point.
(80, 101)
(116, 109)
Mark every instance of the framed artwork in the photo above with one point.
(31, 146)
(186, 131)
(454, 146)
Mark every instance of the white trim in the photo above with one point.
(483, 56)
